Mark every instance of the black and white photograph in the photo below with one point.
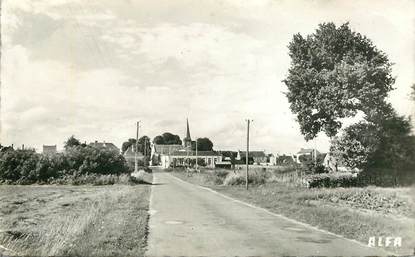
(207, 128)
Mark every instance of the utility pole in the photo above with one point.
(145, 152)
(247, 154)
(187, 160)
(136, 148)
(196, 157)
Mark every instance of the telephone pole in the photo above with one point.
(247, 153)
(136, 148)
(197, 168)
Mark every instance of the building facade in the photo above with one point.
(129, 156)
(306, 154)
(49, 149)
(254, 157)
(167, 156)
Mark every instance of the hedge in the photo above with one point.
(330, 180)
(27, 166)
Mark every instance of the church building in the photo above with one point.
(184, 155)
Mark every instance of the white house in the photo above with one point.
(308, 153)
(167, 156)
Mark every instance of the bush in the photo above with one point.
(285, 168)
(310, 167)
(92, 179)
(18, 166)
(93, 160)
(221, 173)
(386, 177)
(216, 176)
(330, 180)
(26, 166)
(236, 178)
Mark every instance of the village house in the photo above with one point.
(334, 164)
(185, 158)
(272, 159)
(167, 156)
(285, 159)
(129, 156)
(305, 153)
(49, 149)
(255, 157)
(160, 153)
(105, 145)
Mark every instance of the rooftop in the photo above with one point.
(166, 149)
(193, 153)
(307, 151)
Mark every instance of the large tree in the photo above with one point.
(144, 145)
(127, 144)
(71, 142)
(203, 144)
(334, 74)
(167, 138)
(384, 144)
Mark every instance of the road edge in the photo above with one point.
(281, 216)
(150, 213)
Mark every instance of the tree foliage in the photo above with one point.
(386, 144)
(203, 144)
(127, 144)
(335, 73)
(167, 138)
(27, 166)
(71, 142)
(143, 142)
(144, 145)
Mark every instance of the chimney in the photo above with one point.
(13, 146)
(22, 146)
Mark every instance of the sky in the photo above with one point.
(93, 68)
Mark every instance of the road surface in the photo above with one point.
(188, 220)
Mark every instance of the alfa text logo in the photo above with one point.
(388, 241)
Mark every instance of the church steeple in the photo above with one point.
(187, 141)
(188, 130)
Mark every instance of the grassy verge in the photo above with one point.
(356, 213)
(74, 220)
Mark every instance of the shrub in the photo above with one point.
(92, 179)
(386, 177)
(26, 166)
(93, 160)
(221, 173)
(330, 180)
(217, 176)
(310, 167)
(236, 178)
(18, 166)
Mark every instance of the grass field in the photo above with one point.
(74, 220)
(356, 213)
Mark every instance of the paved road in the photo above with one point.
(188, 220)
